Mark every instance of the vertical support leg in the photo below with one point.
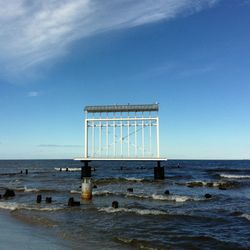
(86, 138)
(159, 173)
(86, 193)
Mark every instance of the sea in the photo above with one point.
(201, 204)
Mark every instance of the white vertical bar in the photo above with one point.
(86, 136)
(143, 148)
(100, 136)
(158, 137)
(93, 138)
(135, 136)
(114, 123)
(128, 137)
(150, 135)
(107, 138)
(121, 134)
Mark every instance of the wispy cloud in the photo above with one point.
(58, 146)
(33, 94)
(33, 32)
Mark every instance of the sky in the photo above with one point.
(190, 56)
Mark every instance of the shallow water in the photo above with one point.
(147, 218)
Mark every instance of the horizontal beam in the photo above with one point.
(120, 159)
(123, 119)
(122, 108)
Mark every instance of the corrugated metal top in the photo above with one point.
(122, 108)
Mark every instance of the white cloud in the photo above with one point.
(33, 32)
(33, 94)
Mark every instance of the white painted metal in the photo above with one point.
(86, 138)
(158, 137)
(144, 144)
(121, 159)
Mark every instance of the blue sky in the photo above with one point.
(192, 57)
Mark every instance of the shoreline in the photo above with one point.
(20, 235)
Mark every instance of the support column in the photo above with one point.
(86, 181)
(159, 173)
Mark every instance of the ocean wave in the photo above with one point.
(218, 184)
(105, 181)
(14, 206)
(232, 176)
(246, 216)
(68, 169)
(132, 210)
(31, 189)
(175, 198)
(75, 191)
(133, 179)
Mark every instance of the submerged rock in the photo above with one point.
(9, 193)
(73, 203)
(130, 190)
(39, 198)
(208, 196)
(48, 200)
(115, 204)
(167, 192)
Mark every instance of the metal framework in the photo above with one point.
(122, 132)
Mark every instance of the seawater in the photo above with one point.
(147, 218)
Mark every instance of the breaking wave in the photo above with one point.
(232, 176)
(246, 216)
(132, 210)
(14, 206)
(175, 198)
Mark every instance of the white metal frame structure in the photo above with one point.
(122, 132)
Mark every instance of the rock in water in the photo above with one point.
(167, 192)
(115, 204)
(208, 196)
(9, 193)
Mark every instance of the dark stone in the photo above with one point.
(0, 196)
(222, 188)
(208, 196)
(236, 213)
(167, 192)
(94, 186)
(26, 171)
(115, 204)
(67, 169)
(72, 203)
(60, 169)
(21, 171)
(39, 198)
(9, 193)
(130, 190)
(48, 200)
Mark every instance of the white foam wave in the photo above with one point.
(68, 169)
(246, 216)
(14, 205)
(134, 179)
(102, 193)
(30, 189)
(232, 176)
(75, 192)
(176, 198)
(132, 210)
(9, 205)
(140, 196)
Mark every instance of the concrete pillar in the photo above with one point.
(159, 173)
(86, 181)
